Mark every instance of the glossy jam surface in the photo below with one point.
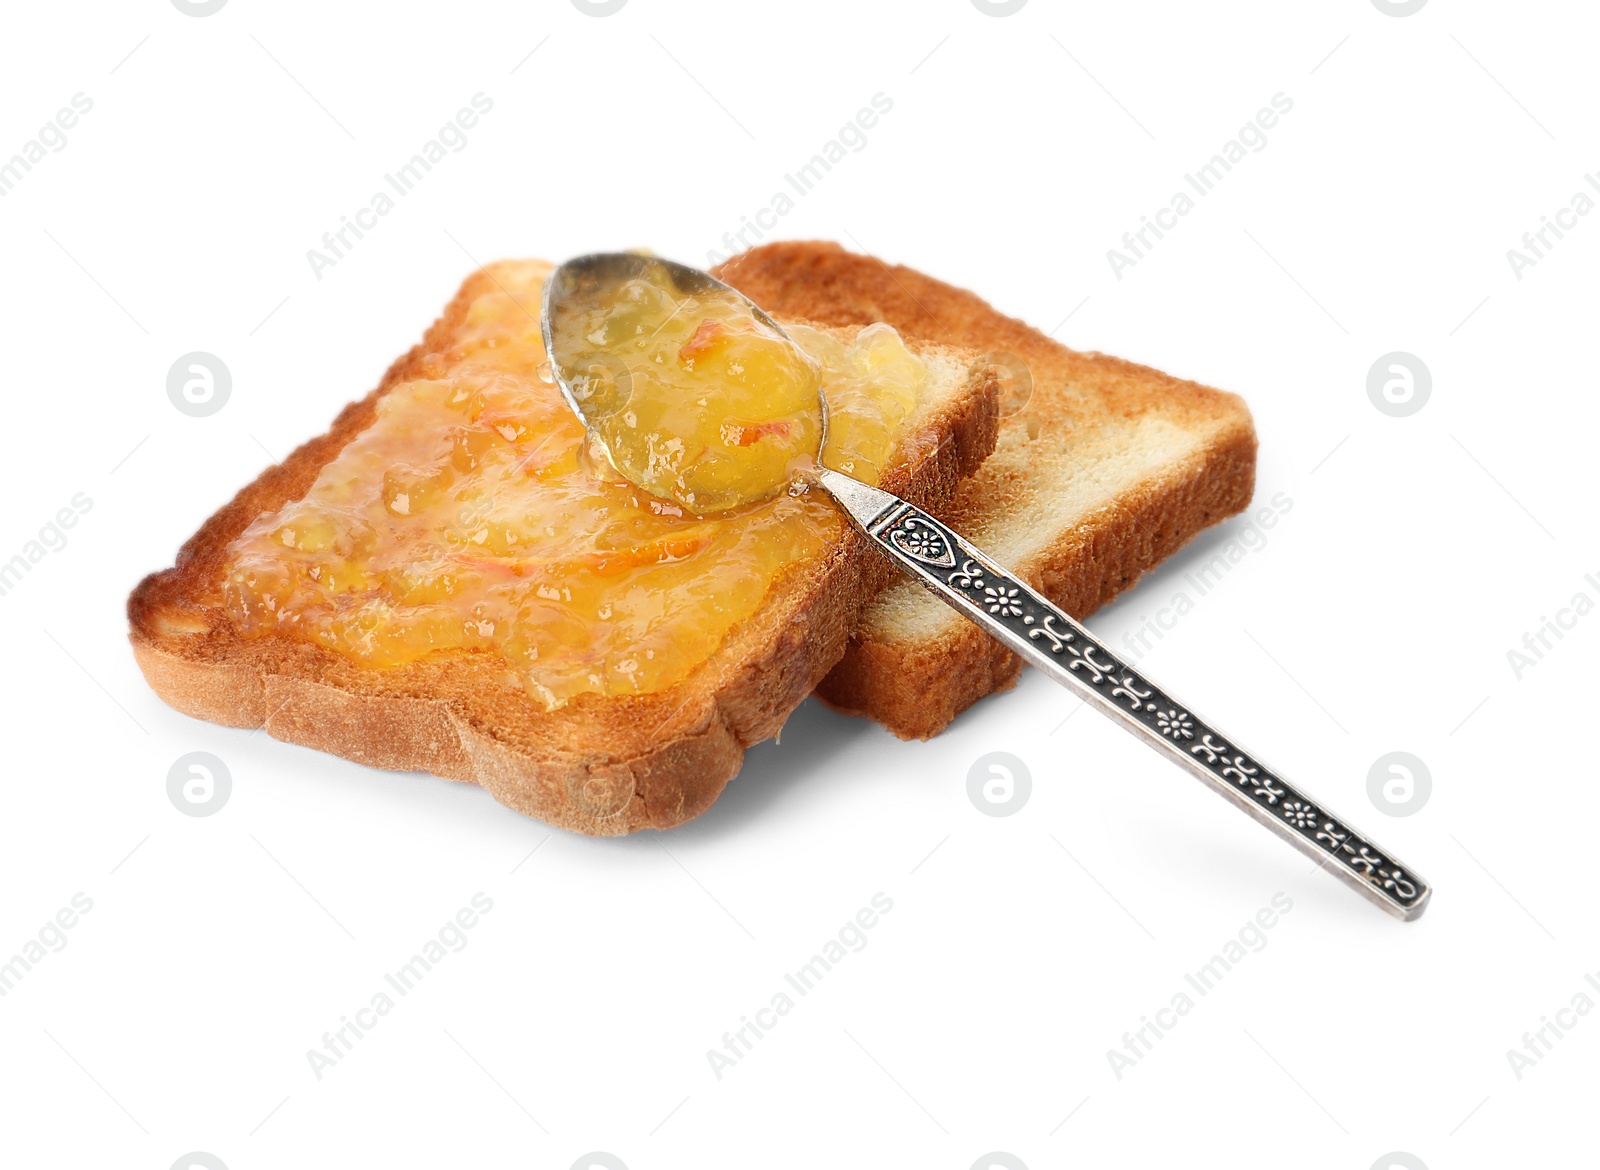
(691, 395)
(471, 515)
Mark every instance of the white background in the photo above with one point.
(1378, 616)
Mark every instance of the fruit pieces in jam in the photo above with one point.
(470, 516)
(691, 396)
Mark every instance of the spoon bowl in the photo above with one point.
(692, 390)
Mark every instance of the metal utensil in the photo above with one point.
(1047, 638)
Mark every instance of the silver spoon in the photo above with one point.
(1025, 622)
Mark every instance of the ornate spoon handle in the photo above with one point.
(1050, 640)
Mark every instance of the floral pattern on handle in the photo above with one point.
(1009, 603)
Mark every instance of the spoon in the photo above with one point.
(595, 380)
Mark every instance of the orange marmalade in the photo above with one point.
(690, 395)
(473, 516)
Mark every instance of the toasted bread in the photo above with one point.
(598, 764)
(1106, 469)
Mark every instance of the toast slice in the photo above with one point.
(1105, 469)
(599, 763)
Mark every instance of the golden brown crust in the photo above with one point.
(918, 690)
(598, 765)
(915, 687)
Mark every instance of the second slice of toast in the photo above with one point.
(1104, 470)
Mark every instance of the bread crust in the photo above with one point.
(598, 765)
(916, 688)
